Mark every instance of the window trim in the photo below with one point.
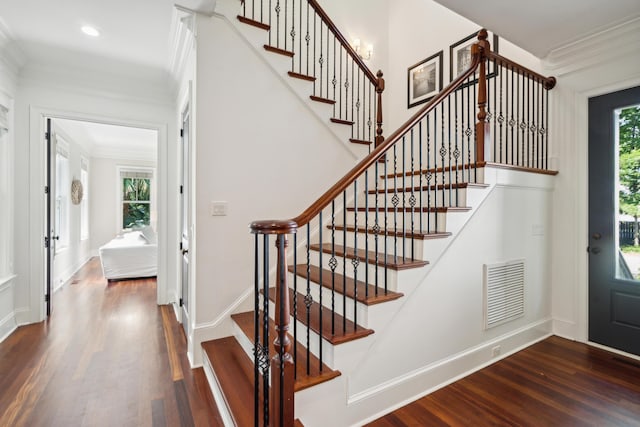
(120, 170)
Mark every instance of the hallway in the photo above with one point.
(102, 359)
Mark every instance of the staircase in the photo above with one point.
(341, 269)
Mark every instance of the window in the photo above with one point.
(84, 204)
(63, 187)
(135, 197)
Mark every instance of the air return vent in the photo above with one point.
(503, 292)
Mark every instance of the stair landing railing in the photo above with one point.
(320, 53)
(380, 208)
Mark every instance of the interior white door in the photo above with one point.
(50, 237)
(185, 190)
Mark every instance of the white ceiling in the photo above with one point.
(132, 31)
(541, 26)
(111, 141)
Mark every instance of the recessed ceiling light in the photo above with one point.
(90, 31)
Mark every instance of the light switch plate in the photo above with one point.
(219, 208)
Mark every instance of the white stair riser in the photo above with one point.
(453, 197)
(412, 248)
(338, 302)
(391, 275)
(431, 221)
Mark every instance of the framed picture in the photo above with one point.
(424, 80)
(460, 56)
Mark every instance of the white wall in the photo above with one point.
(8, 72)
(608, 62)
(255, 140)
(419, 29)
(69, 259)
(104, 203)
(114, 99)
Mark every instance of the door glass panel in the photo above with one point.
(628, 186)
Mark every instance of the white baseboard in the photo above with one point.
(368, 405)
(565, 329)
(7, 326)
(220, 327)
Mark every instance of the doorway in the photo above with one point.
(614, 199)
(185, 220)
(116, 168)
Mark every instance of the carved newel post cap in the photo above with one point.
(483, 35)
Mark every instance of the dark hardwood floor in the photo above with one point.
(108, 356)
(555, 382)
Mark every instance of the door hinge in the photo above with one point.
(181, 189)
(46, 135)
(181, 302)
(46, 242)
(180, 245)
(46, 189)
(47, 298)
(181, 133)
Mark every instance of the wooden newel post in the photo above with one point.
(281, 412)
(483, 134)
(379, 90)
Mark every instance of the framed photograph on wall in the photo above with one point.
(424, 80)
(460, 56)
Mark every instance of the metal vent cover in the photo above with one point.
(503, 292)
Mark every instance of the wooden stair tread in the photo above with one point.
(415, 234)
(301, 76)
(360, 141)
(254, 23)
(394, 263)
(460, 185)
(478, 165)
(303, 380)
(342, 122)
(351, 332)
(279, 51)
(297, 423)
(339, 282)
(234, 374)
(439, 209)
(323, 100)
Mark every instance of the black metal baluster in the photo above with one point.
(412, 201)
(357, 120)
(256, 331)
(395, 200)
(300, 40)
(456, 153)
(270, 23)
(321, 268)
(522, 117)
(443, 156)
(545, 130)
(295, 305)
(376, 227)
(529, 125)
(266, 358)
(366, 233)
(512, 120)
(307, 38)
(344, 261)
(539, 124)
(421, 173)
(328, 59)
(321, 58)
(429, 175)
(495, 108)
(333, 263)
(435, 170)
(308, 299)
(334, 81)
(315, 55)
(404, 202)
(293, 33)
(501, 115)
(355, 261)
(284, 33)
(353, 86)
(278, 23)
(386, 220)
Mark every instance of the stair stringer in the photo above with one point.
(354, 401)
(280, 66)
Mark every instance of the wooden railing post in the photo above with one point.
(379, 121)
(282, 366)
(483, 134)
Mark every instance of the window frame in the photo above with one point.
(134, 170)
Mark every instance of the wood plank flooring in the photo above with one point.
(555, 382)
(108, 356)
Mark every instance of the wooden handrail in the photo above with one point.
(290, 225)
(548, 82)
(320, 11)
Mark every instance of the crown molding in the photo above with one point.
(12, 58)
(605, 46)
